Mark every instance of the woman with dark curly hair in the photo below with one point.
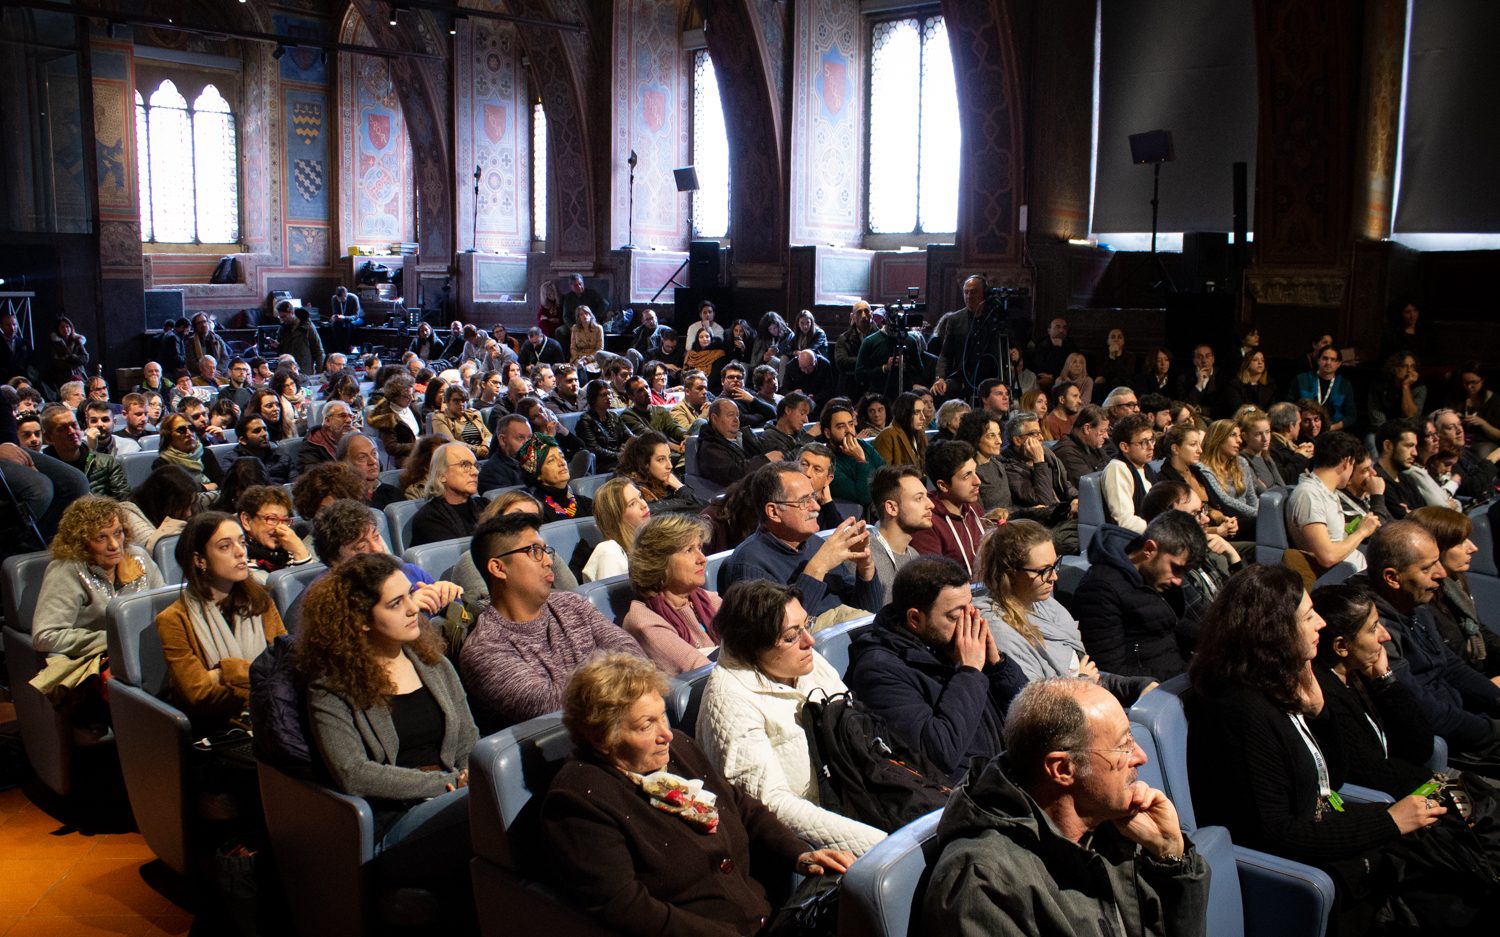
(160, 506)
(647, 461)
(872, 413)
(389, 718)
(325, 484)
(280, 423)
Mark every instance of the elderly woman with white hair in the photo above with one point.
(453, 505)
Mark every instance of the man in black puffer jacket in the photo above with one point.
(1129, 603)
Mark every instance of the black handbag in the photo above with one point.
(812, 911)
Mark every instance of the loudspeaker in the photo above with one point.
(703, 265)
(1153, 146)
(1205, 259)
(1241, 252)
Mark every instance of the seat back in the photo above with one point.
(323, 840)
(690, 455)
(164, 554)
(223, 450)
(711, 569)
(150, 443)
(494, 493)
(382, 526)
(1226, 904)
(1483, 561)
(398, 518)
(437, 557)
(290, 450)
(589, 484)
(611, 596)
(286, 584)
(1271, 539)
(1091, 514)
(507, 772)
(574, 540)
(570, 420)
(685, 696)
(390, 477)
(1160, 713)
(138, 466)
(23, 582)
(833, 643)
(135, 654)
(1070, 573)
(879, 896)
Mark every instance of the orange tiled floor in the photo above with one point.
(58, 881)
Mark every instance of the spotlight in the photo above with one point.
(396, 10)
(453, 23)
(278, 52)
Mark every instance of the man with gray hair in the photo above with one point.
(453, 504)
(1040, 489)
(1291, 457)
(321, 445)
(727, 453)
(1059, 835)
(1120, 403)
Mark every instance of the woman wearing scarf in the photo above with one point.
(547, 477)
(631, 823)
(702, 354)
(181, 447)
(215, 631)
(672, 617)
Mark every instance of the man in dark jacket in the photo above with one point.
(725, 452)
(539, 349)
(501, 470)
(1039, 485)
(1405, 572)
(1035, 843)
(930, 667)
(1129, 603)
(299, 339)
(105, 474)
(172, 350)
(322, 444)
(1082, 451)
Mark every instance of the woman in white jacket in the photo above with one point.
(748, 720)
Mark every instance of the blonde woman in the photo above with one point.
(1228, 477)
(587, 337)
(1076, 369)
(672, 616)
(619, 510)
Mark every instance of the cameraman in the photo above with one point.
(878, 369)
(970, 343)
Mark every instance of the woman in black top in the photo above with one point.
(547, 476)
(1258, 767)
(1453, 610)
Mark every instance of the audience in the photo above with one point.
(182, 448)
(983, 429)
(902, 509)
(547, 477)
(502, 469)
(265, 513)
(1081, 451)
(672, 615)
(1314, 514)
(854, 459)
(619, 511)
(1329, 389)
(957, 527)
(792, 413)
(904, 441)
(461, 423)
(393, 417)
(453, 503)
(1227, 476)
(1127, 478)
(647, 461)
(105, 473)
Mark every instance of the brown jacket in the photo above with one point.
(209, 698)
(445, 425)
(645, 872)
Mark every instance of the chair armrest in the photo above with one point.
(1365, 795)
(1282, 898)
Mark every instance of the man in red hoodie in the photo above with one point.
(956, 530)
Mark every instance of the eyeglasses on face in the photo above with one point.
(1042, 573)
(807, 500)
(275, 520)
(537, 551)
(793, 637)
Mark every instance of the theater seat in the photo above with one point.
(164, 554)
(398, 524)
(574, 540)
(833, 643)
(1271, 539)
(685, 696)
(611, 596)
(437, 557)
(286, 584)
(880, 893)
(589, 484)
(1091, 515)
(705, 489)
(323, 842)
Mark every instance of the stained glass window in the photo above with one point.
(914, 140)
(189, 167)
(538, 172)
(710, 152)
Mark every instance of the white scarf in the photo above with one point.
(244, 641)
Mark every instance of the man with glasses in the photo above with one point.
(238, 390)
(1129, 605)
(754, 411)
(453, 503)
(322, 444)
(1111, 848)
(930, 667)
(527, 643)
(836, 574)
(1127, 478)
(357, 451)
(105, 474)
(1039, 483)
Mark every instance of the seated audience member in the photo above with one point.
(1202, 387)
(1258, 769)
(1397, 441)
(748, 719)
(321, 445)
(984, 430)
(253, 441)
(1127, 478)
(1039, 483)
(547, 478)
(453, 503)
(956, 525)
(1121, 402)
(1227, 476)
(1031, 628)
(208, 433)
(105, 473)
(1406, 574)
(1399, 393)
(644, 416)
(413, 478)
(218, 627)
(854, 459)
(930, 667)
(870, 414)
(530, 639)
(1329, 389)
(241, 476)
(98, 434)
(810, 373)
(1128, 605)
(601, 430)
(647, 461)
(949, 415)
(393, 417)
(672, 615)
(1053, 837)
(391, 722)
(324, 485)
(280, 422)
(619, 511)
(265, 513)
(1067, 400)
(792, 414)
(564, 397)
(136, 427)
(29, 431)
(725, 451)
(1480, 408)
(694, 404)
(1290, 453)
(637, 870)
(835, 575)
(501, 469)
(357, 451)
(1157, 377)
(461, 423)
(1251, 387)
(1201, 584)
(902, 509)
(1082, 451)
(160, 506)
(1453, 609)
(471, 580)
(1431, 473)
(904, 442)
(181, 447)
(754, 412)
(816, 462)
(1315, 519)
(1365, 493)
(1255, 433)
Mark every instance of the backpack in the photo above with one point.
(863, 770)
(227, 271)
(278, 709)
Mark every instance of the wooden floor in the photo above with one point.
(62, 877)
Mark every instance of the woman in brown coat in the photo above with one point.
(627, 834)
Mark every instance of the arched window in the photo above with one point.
(914, 128)
(710, 152)
(538, 172)
(188, 167)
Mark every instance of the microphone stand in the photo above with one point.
(630, 218)
(474, 237)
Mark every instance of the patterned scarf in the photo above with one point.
(684, 797)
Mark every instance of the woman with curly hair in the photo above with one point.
(647, 461)
(93, 560)
(620, 511)
(393, 417)
(871, 415)
(218, 627)
(390, 719)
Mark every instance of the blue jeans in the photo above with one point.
(429, 846)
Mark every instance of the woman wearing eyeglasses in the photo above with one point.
(748, 723)
(453, 504)
(266, 514)
(180, 446)
(1019, 567)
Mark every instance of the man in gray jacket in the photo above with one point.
(1058, 836)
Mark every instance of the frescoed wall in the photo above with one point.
(493, 128)
(827, 124)
(375, 157)
(651, 103)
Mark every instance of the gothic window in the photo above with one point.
(188, 167)
(710, 152)
(914, 128)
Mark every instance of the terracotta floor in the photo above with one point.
(60, 880)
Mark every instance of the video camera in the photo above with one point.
(999, 297)
(907, 316)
